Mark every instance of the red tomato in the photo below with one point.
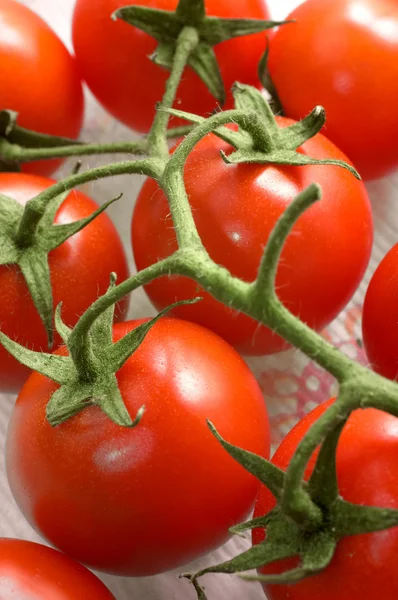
(363, 567)
(34, 572)
(144, 500)
(80, 270)
(235, 208)
(42, 80)
(132, 98)
(380, 317)
(320, 59)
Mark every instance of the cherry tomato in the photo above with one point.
(40, 78)
(380, 317)
(235, 209)
(132, 98)
(31, 571)
(143, 500)
(343, 55)
(363, 567)
(80, 269)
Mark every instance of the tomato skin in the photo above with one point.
(43, 83)
(31, 571)
(80, 270)
(320, 60)
(235, 209)
(105, 72)
(140, 501)
(363, 567)
(380, 317)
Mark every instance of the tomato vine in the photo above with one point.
(313, 527)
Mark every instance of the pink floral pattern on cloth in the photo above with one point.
(293, 385)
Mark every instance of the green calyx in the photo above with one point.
(87, 376)
(27, 236)
(314, 546)
(261, 140)
(166, 27)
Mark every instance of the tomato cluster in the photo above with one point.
(140, 501)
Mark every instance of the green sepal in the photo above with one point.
(58, 368)
(67, 401)
(166, 26)
(163, 25)
(47, 220)
(250, 99)
(237, 139)
(101, 329)
(163, 55)
(316, 554)
(282, 157)
(8, 119)
(267, 83)
(52, 237)
(107, 396)
(257, 523)
(216, 30)
(36, 271)
(204, 62)
(32, 257)
(124, 348)
(191, 11)
(354, 519)
(283, 541)
(63, 330)
(262, 469)
(10, 215)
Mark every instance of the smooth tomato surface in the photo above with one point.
(80, 270)
(343, 55)
(144, 500)
(40, 78)
(235, 209)
(31, 571)
(380, 317)
(113, 59)
(363, 567)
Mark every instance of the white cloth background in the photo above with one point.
(100, 126)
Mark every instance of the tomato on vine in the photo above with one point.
(380, 317)
(343, 54)
(79, 270)
(235, 208)
(106, 51)
(31, 571)
(363, 565)
(40, 78)
(138, 501)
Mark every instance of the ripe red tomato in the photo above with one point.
(144, 500)
(363, 567)
(380, 317)
(132, 98)
(320, 59)
(235, 209)
(31, 572)
(80, 269)
(40, 78)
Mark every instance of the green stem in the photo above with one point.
(265, 282)
(80, 332)
(186, 43)
(21, 154)
(16, 152)
(296, 501)
(35, 208)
